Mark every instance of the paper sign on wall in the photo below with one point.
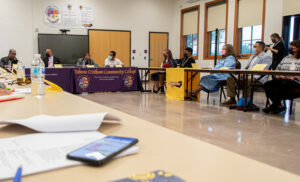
(68, 15)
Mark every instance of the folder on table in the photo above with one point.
(90, 66)
(259, 67)
(225, 68)
(195, 66)
(58, 66)
(118, 66)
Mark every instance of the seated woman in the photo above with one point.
(209, 82)
(282, 88)
(3, 90)
(159, 77)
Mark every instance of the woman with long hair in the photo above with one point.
(277, 50)
(282, 88)
(159, 78)
(209, 82)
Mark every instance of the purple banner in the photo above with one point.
(63, 77)
(78, 80)
(106, 79)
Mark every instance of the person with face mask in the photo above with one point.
(188, 59)
(282, 88)
(260, 57)
(8, 61)
(50, 60)
(86, 60)
(277, 50)
(209, 82)
(159, 78)
(112, 61)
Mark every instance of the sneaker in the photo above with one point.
(230, 102)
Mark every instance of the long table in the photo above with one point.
(78, 80)
(160, 148)
(247, 75)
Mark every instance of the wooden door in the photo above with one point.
(158, 43)
(101, 42)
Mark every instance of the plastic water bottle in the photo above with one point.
(37, 76)
(21, 68)
(83, 63)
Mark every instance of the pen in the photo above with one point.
(18, 175)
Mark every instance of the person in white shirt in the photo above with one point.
(112, 61)
(50, 60)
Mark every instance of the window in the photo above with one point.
(192, 42)
(215, 18)
(248, 29)
(190, 30)
(212, 44)
(249, 36)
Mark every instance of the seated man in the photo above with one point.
(112, 61)
(260, 57)
(50, 60)
(87, 60)
(7, 62)
(188, 59)
(3, 90)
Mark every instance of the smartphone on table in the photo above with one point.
(103, 150)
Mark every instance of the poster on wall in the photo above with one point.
(53, 15)
(86, 15)
(69, 15)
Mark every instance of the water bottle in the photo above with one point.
(37, 76)
(21, 68)
(41, 77)
(83, 63)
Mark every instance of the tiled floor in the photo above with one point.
(272, 139)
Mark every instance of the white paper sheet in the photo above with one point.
(22, 91)
(72, 123)
(44, 151)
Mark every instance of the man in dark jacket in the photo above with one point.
(9, 60)
(50, 60)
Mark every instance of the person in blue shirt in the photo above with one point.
(228, 60)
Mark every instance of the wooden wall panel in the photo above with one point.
(158, 43)
(101, 42)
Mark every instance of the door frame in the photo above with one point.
(113, 31)
(149, 44)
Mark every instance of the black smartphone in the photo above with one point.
(103, 150)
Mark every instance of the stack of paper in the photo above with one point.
(47, 151)
(72, 123)
(43, 152)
